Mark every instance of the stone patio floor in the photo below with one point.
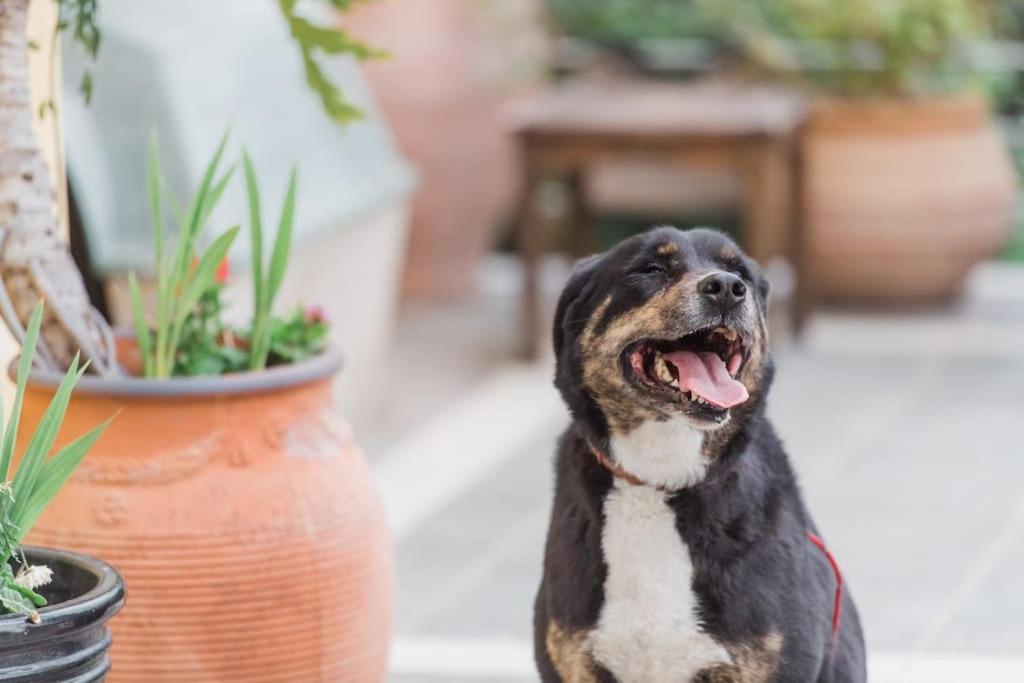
(907, 430)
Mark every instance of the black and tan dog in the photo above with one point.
(679, 548)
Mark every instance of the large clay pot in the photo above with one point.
(440, 93)
(243, 518)
(903, 196)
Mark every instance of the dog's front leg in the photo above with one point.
(720, 673)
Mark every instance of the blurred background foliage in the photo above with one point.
(620, 21)
(858, 47)
(853, 47)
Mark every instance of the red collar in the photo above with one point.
(617, 470)
(837, 607)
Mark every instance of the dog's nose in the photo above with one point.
(724, 289)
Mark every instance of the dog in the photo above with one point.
(679, 548)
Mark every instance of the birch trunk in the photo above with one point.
(35, 263)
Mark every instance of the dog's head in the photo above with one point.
(666, 326)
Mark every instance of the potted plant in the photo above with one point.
(908, 182)
(229, 493)
(35, 262)
(54, 604)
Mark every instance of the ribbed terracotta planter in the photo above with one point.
(243, 518)
(903, 196)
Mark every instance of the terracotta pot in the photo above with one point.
(243, 518)
(439, 91)
(904, 196)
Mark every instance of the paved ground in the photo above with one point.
(907, 433)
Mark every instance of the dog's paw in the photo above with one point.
(720, 673)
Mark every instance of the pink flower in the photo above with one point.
(314, 314)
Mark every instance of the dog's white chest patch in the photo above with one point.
(665, 453)
(648, 629)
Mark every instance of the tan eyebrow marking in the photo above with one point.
(667, 248)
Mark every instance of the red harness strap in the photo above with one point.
(837, 607)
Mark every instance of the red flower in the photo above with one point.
(223, 270)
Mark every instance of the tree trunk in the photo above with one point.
(35, 263)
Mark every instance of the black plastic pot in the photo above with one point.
(71, 640)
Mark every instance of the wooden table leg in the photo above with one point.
(765, 201)
(803, 287)
(529, 242)
(580, 223)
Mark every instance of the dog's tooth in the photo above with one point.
(661, 369)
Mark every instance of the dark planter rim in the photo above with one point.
(321, 366)
(95, 605)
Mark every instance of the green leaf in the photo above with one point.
(9, 532)
(85, 86)
(55, 473)
(28, 351)
(142, 334)
(314, 40)
(252, 191)
(259, 308)
(153, 185)
(200, 280)
(176, 208)
(41, 443)
(214, 197)
(275, 275)
(196, 209)
(15, 603)
(36, 599)
(170, 309)
(330, 97)
(203, 276)
(330, 40)
(282, 243)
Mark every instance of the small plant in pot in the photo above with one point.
(908, 183)
(54, 604)
(189, 337)
(229, 493)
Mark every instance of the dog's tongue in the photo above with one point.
(705, 373)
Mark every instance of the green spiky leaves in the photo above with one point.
(39, 475)
(183, 275)
(265, 287)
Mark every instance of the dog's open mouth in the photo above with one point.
(700, 368)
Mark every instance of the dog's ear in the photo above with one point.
(762, 285)
(566, 312)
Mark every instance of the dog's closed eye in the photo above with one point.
(653, 268)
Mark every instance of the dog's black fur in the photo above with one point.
(744, 524)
